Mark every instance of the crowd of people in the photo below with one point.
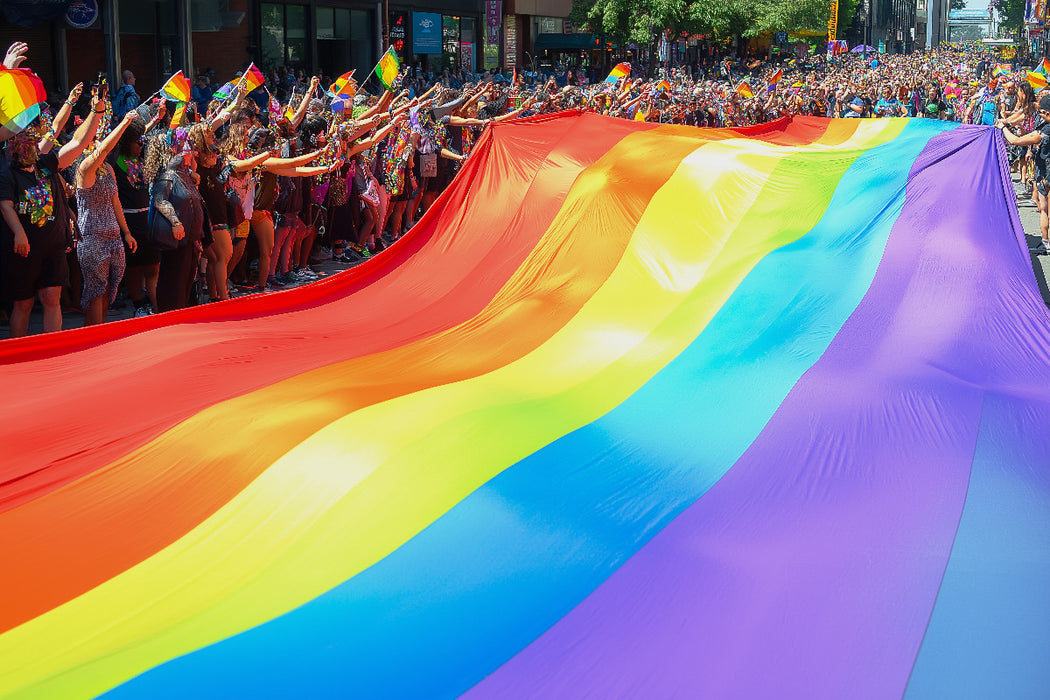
(236, 193)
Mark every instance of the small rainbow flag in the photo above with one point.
(776, 77)
(177, 88)
(224, 92)
(662, 87)
(1044, 67)
(744, 90)
(21, 93)
(177, 116)
(1036, 80)
(344, 85)
(253, 77)
(1002, 69)
(388, 67)
(621, 70)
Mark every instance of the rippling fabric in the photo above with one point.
(634, 411)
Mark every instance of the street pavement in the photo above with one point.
(1029, 216)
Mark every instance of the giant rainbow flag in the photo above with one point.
(636, 410)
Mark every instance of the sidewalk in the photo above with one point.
(1029, 215)
(124, 308)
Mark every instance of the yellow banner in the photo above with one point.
(833, 20)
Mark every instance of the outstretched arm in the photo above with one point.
(61, 118)
(89, 166)
(304, 104)
(83, 136)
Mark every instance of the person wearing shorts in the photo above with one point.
(143, 263)
(37, 232)
(1039, 138)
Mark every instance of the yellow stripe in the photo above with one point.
(326, 510)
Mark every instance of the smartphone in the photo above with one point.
(101, 86)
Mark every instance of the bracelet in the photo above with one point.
(71, 104)
(98, 112)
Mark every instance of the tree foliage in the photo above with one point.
(1010, 12)
(636, 21)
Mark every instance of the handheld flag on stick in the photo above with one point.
(387, 68)
(21, 93)
(776, 77)
(1002, 69)
(344, 86)
(224, 92)
(744, 90)
(177, 116)
(1044, 67)
(252, 78)
(1036, 80)
(177, 89)
(621, 70)
(663, 87)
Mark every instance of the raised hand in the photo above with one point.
(16, 53)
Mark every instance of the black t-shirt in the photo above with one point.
(213, 191)
(266, 192)
(132, 189)
(1042, 151)
(38, 197)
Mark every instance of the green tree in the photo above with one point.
(1010, 12)
(632, 21)
(957, 5)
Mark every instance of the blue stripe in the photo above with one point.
(506, 563)
(989, 636)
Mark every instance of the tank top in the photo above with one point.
(95, 215)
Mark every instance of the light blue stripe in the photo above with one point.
(989, 636)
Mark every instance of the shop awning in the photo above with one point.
(566, 42)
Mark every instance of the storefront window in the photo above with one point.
(450, 43)
(333, 34)
(363, 52)
(467, 45)
(283, 35)
(295, 35)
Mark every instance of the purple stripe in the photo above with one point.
(811, 568)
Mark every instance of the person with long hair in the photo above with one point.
(143, 263)
(175, 197)
(212, 187)
(100, 218)
(1022, 121)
